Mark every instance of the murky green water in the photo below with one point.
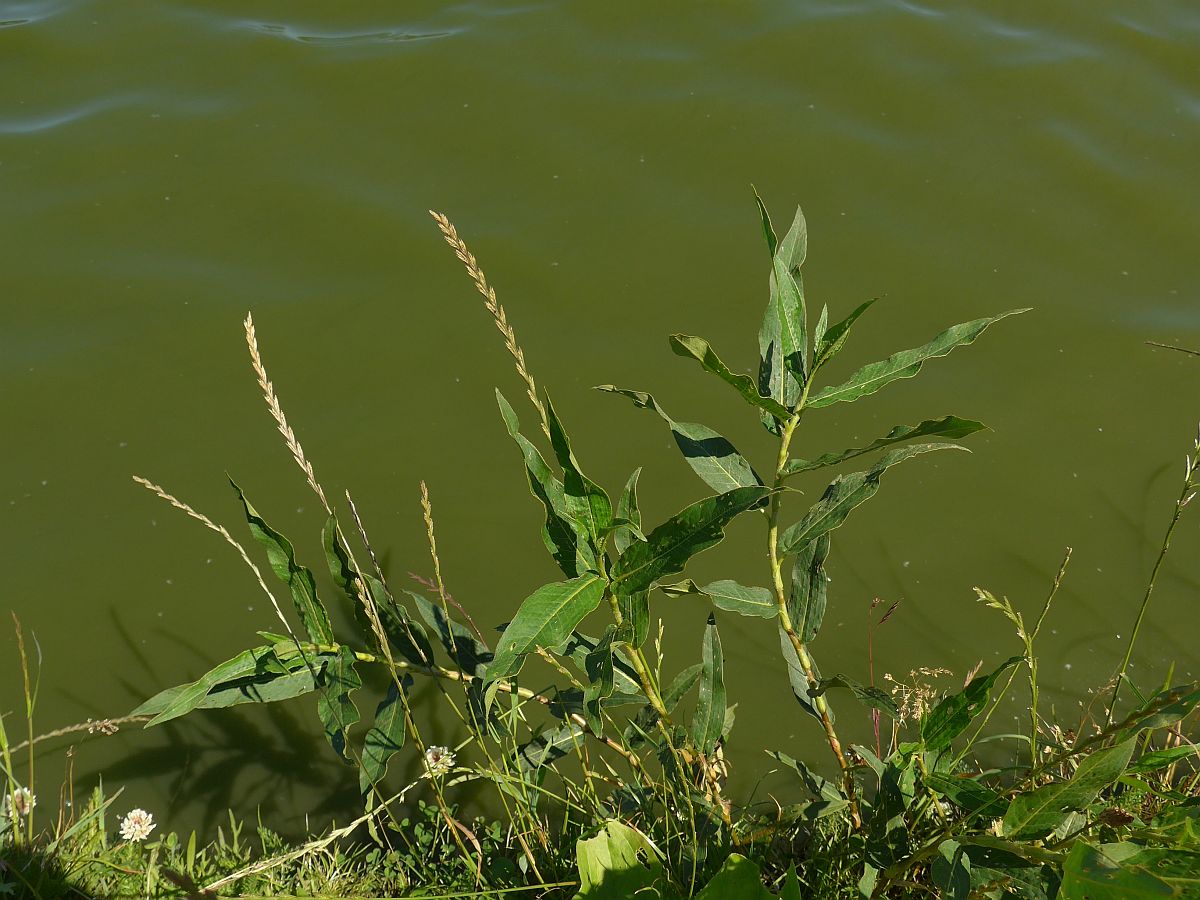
(165, 167)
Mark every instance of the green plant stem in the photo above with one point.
(1184, 496)
(785, 619)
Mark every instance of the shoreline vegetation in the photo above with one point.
(615, 781)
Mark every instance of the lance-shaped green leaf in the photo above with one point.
(953, 714)
(810, 588)
(546, 619)
(711, 456)
(1128, 871)
(635, 617)
(904, 364)
(559, 533)
(386, 737)
(469, 653)
(586, 502)
(868, 695)
(782, 339)
(577, 647)
(767, 227)
(820, 787)
(973, 796)
(827, 344)
(299, 580)
(698, 349)
(1038, 812)
(844, 494)
(709, 721)
(627, 509)
(598, 666)
(334, 706)
(948, 427)
(798, 679)
(549, 746)
(669, 546)
(343, 571)
(729, 596)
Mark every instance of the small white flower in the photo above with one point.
(439, 761)
(137, 825)
(19, 803)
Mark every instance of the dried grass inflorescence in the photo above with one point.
(450, 233)
(918, 695)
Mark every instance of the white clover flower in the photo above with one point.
(137, 825)
(439, 761)
(19, 803)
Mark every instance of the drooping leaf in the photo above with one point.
(334, 706)
(819, 786)
(1128, 871)
(698, 349)
(709, 720)
(1163, 710)
(969, 794)
(1038, 812)
(559, 532)
(729, 596)
(467, 651)
(827, 344)
(343, 571)
(385, 738)
(669, 546)
(798, 679)
(404, 633)
(598, 666)
(546, 618)
(577, 647)
(299, 580)
(586, 502)
(948, 427)
(953, 714)
(711, 456)
(549, 746)
(627, 509)
(782, 339)
(868, 695)
(1160, 759)
(904, 364)
(737, 879)
(844, 494)
(810, 588)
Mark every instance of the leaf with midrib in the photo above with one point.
(948, 427)
(698, 349)
(586, 502)
(844, 494)
(385, 738)
(827, 344)
(546, 619)
(953, 714)
(710, 455)
(1128, 871)
(904, 364)
(669, 546)
(709, 720)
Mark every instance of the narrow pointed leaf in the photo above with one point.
(844, 494)
(709, 721)
(767, 227)
(669, 546)
(598, 666)
(342, 569)
(469, 653)
(559, 533)
(819, 786)
(385, 739)
(587, 503)
(729, 596)
(579, 645)
(818, 337)
(299, 580)
(627, 509)
(827, 344)
(973, 796)
(868, 695)
(904, 364)
(948, 427)
(711, 456)
(550, 746)
(404, 633)
(699, 350)
(797, 679)
(635, 613)
(546, 619)
(953, 714)
(810, 588)
(334, 706)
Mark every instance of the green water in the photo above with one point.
(166, 167)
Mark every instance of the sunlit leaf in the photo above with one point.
(948, 427)
(586, 502)
(737, 879)
(782, 339)
(810, 588)
(635, 614)
(729, 596)
(1128, 872)
(334, 706)
(904, 364)
(946, 721)
(617, 864)
(829, 343)
(627, 509)
(699, 350)
(868, 695)
(385, 738)
(971, 795)
(546, 619)
(709, 720)
(467, 651)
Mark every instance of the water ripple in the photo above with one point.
(340, 38)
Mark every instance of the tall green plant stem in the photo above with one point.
(785, 619)
(1189, 487)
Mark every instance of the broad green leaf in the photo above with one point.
(299, 580)
(791, 885)
(559, 533)
(598, 667)
(1163, 710)
(1128, 872)
(549, 746)
(951, 871)
(385, 738)
(627, 509)
(469, 653)
(635, 614)
(1023, 878)
(797, 678)
(948, 427)
(745, 601)
(1160, 759)
(404, 633)
(827, 344)
(711, 456)
(810, 588)
(738, 879)
(343, 571)
(904, 364)
(953, 714)
(709, 720)
(868, 695)
(699, 350)
(844, 494)
(782, 341)
(971, 795)
(617, 864)
(669, 546)
(819, 786)
(334, 706)
(587, 503)
(577, 647)
(1038, 812)
(546, 619)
